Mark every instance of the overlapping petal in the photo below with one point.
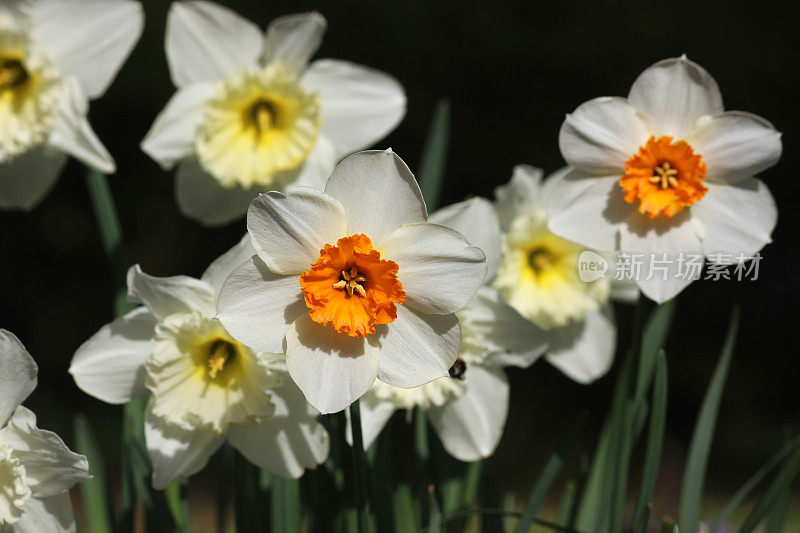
(293, 39)
(360, 105)
(584, 350)
(110, 365)
(208, 42)
(18, 373)
(26, 179)
(439, 269)
(173, 294)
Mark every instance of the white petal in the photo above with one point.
(375, 413)
(588, 210)
(519, 195)
(202, 198)
(293, 39)
(222, 267)
(439, 270)
(378, 192)
(511, 339)
(171, 138)
(17, 374)
(110, 365)
(50, 467)
(673, 94)
(51, 515)
(176, 452)
(736, 218)
(208, 42)
(584, 350)
(257, 306)
(417, 348)
(601, 134)
(470, 427)
(360, 105)
(475, 219)
(73, 134)
(736, 145)
(26, 179)
(289, 230)
(654, 238)
(332, 369)
(174, 294)
(287, 443)
(89, 39)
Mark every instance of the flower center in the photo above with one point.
(258, 125)
(30, 91)
(352, 288)
(12, 74)
(458, 369)
(540, 259)
(664, 176)
(219, 355)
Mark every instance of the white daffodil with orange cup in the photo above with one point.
(468, 408)
(205, 387)
(36, 467)
(251, 114)
(353, 283)
(664, 172)
(55, 56)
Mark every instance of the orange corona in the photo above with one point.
(664, 176)
(352, 288)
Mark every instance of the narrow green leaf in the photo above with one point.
(745, 490)
(549, 473)
(405, 513)
(593, 511)
(700, 447)
(667, 527)
(472, 479)
(567, 502)
(654, 337)
(285, 496)
(175, 495)
(503, 513)
(777, 516)
(421, 435)
(361, 485)
(767, 502)
(622, 466)
(655, 442)
(434, 156)
(95, 490)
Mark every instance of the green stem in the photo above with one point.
(359, 468)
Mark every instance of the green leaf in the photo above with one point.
(175, 495)
(777, 516)
(773, 494)
(95, 490)
(435, 514)
(622, 466)
(655, 442)
(405, 513)
(596, 498)
(745, 490)
(700, 447)
(359, 470)
(472, 479)
(653, 339)
(285, 495)
(434, 156)
(567, 502)
(551, 469)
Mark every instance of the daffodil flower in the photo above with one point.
(55, 56)
(353, 283)
(205, 386)
(538, 276)
(667, 171)
(36, 467)
(251, 114)
(467, 408)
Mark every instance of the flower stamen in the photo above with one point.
(220, 353)
(263, 114)
(12, 74)
(351, 281)
(665, 175)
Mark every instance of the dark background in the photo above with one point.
(511, 70)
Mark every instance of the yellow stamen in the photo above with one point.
(351, 281)
(665, 175)
(219, 354)
(12, 73)
(264, 115)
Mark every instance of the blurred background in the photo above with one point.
(511, 71)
